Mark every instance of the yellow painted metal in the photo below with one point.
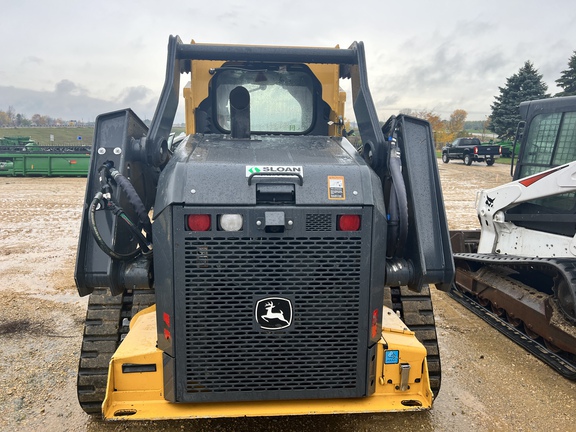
(329, 77)
(196, 90)
(140, 396)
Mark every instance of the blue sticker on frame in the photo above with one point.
(391, 357)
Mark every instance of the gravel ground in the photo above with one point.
(489, 384)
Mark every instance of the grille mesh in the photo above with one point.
(318, 222)
(225, 350)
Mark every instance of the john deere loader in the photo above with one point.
(261, 264)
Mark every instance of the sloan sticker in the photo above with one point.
(273, 169)
(336, 188)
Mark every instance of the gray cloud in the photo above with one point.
(63, 103)
(67, 87)
(32, 60)
(442, 55)
(135, 94)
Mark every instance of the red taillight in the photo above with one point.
(500, 150)
(166, 319)
(349, 222)
(475, 150)
(199, 222)
(374, 331)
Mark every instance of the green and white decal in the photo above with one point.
(273, 169)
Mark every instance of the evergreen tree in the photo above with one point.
(567, 80)
(523, 86)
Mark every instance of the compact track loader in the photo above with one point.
(518, 271)
(260, 265)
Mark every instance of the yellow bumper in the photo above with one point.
(135, 381)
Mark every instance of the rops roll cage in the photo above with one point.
(351, 62)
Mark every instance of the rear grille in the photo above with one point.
(321, 354)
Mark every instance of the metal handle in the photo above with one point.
(275, 174)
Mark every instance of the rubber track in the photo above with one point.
(106, 324)
(417, 313)
(564, 267)
(563, 367)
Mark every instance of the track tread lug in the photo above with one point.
(417, 313)
(102, 334)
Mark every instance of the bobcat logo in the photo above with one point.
(490, 201)
(273, 313)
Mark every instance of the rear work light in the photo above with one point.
(230, 222)
(198, 222)
(349, 222)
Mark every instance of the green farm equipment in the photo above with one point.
(21, 156)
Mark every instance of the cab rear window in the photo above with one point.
(281, 100)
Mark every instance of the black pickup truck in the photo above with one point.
(471, 150)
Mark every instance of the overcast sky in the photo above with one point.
(77, 59)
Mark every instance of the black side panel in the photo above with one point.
(428, 237)
(163, 238)
(116, 140)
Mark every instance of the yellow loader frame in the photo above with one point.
(402, 381)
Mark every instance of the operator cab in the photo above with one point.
(277, 99)
(550, 142)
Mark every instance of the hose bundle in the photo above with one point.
(103, 201)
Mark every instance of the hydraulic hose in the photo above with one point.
(398, 203)
(133, 199)
(119, 211)
(393, 222)
(98, 238)
(398, 200)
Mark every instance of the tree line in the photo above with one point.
(10, 118)
(445, 131)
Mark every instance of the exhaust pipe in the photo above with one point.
(240, 113)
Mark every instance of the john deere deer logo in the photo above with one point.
(273, 313)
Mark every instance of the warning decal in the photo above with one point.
(336, 188)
